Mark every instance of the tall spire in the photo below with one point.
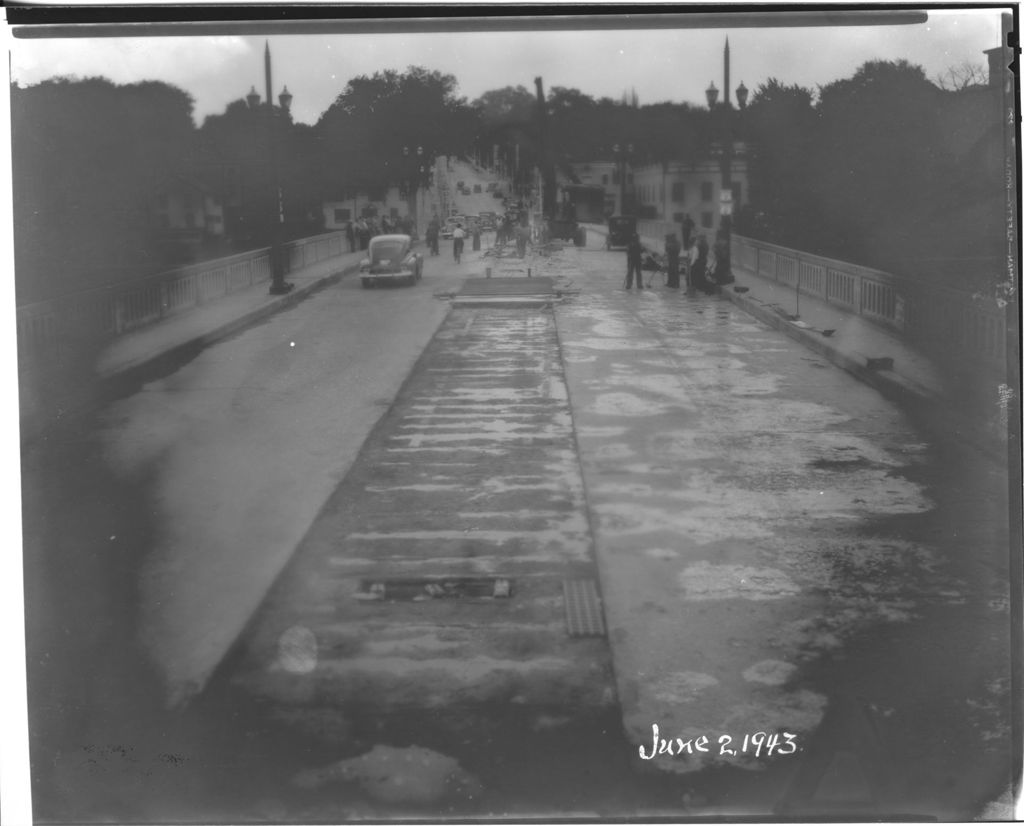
(266, 69)
(727, 70)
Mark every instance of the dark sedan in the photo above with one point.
(391, 259)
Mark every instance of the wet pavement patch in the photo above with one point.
(840, 464)
(427, 588)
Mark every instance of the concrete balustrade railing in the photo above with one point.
(936, 318)
(965, 327)
(47, 329)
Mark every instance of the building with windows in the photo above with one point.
(668, 191)
(604, 174)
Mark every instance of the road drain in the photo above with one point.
(583, 615)
(426, 588)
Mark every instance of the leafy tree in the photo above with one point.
(878, 158)
(239, 139)
(371, 124)
(88, 155)
(780, 127)
(510, 104)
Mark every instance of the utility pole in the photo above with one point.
(547, 196)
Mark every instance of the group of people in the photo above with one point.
(458, 238)
(360, 231)
(707, 268)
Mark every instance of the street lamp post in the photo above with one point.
(278, 286)
(410, 171)
(623, 153)
(726, 207)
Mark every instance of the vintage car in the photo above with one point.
(620, 230)
(390, 258)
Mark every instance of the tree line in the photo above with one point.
(860, 169)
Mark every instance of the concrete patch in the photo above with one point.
(680, 686)
(707, 581)
(626, 404)
(412, 775)
(769, 672)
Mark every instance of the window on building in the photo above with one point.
(604, 180)
(707, 220)
(678, 192)
(737, 191)
(394, 213)
(341, 215)
(706, 189)
(615, 176)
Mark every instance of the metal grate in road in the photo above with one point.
(583, 615)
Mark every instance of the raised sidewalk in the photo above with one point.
(132, 355)
(875, 356)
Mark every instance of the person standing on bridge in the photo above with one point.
(433, 231)
(687, 231)
(522, 239)
(672, 249)
(458, 240)
(699, 267)
(634, 261)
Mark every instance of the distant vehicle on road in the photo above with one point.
(620, 230)
(492, 185)
(563, 224)
(488, 220)
(450, 224)
(391, 259)
(477, 188)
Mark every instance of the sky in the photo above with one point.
(662, 65)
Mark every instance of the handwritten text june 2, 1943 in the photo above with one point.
(757, 744)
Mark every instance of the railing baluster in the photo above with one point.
(939, 318)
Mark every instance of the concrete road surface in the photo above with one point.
(775, 548)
